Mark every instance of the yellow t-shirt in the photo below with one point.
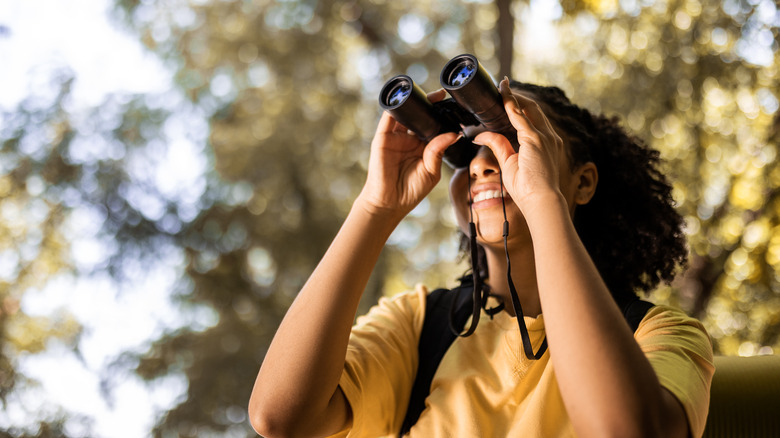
(485, 386)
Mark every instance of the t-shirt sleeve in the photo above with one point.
(680, 352)
(381, 363)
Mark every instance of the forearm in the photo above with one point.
(302, 367)
(606, 382)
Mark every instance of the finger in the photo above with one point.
(434, 150)
(395, 126)
(514, 109)
(528, 118)
(437, 96)
(386, 124)
(399, 127)
(501, 147)
(532, 112)
(525, 107)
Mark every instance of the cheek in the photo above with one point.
(569, 185)
(459, 198)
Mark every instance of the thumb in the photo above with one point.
(498, 144)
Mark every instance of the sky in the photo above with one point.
(36, 38)
(77, 33)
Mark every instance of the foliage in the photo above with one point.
(33, 244)
(702, 96)
(278, 101)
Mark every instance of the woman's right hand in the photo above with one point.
(402, 169)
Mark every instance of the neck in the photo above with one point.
(523, 277)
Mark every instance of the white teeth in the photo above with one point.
(487, 194)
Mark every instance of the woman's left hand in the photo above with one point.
(534, 169)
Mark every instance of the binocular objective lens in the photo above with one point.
(399, 94)
(462, 73)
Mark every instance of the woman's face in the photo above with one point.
(486, 189)
(486, 209)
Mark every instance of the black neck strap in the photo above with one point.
(480, 292)
(477, 293)
(527, 347)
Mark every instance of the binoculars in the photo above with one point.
(475, 102)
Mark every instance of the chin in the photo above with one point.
(492, 233)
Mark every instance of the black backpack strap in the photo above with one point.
(634, 311)
(435, 339)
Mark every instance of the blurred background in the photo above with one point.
(172, 170)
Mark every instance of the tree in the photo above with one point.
(33, 246)
(280, 100)
(264, 72)
(703, 95)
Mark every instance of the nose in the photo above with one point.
(483, 164)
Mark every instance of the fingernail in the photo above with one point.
(504, 85)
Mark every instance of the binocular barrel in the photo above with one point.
(473, 92)
(409, 104)
(472, 88)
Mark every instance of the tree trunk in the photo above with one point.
(506, 30)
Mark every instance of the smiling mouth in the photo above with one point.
(488, 194)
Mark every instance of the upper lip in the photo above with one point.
(484, 191)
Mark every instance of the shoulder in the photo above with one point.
(666, 328)
(676, 343)
(667, 321)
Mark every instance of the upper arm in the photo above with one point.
(675, 422)
(338, 415)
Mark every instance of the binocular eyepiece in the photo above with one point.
(475, 102)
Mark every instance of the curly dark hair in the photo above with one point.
(630, 228)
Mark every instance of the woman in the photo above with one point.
(322, 377)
